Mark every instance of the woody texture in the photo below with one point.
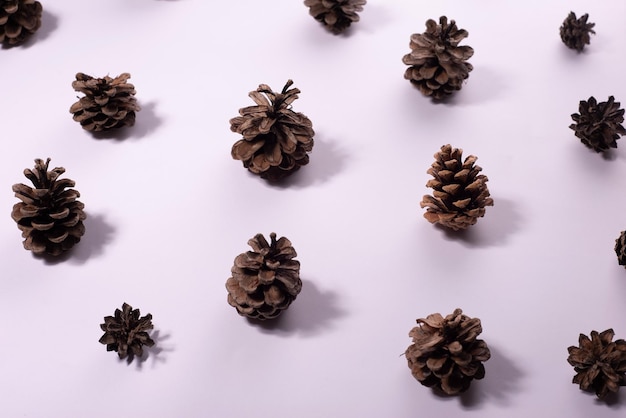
(598, 125)
(620, 248)
(19, 19)
(335, 15)
(576, 33)
(126, 332)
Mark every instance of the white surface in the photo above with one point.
(169, 210)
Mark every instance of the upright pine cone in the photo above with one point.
(445, 352)
(126, 332)
(108, 102)
(276, 139)
(599, 362)
(266, 280)
(49, 216)
(620, 248)
(460, 193)
(599, 125)
(18, 20)
(438, 65)
(575, 33)
(335, 15)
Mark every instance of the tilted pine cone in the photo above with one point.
(599, 125)
(445, 352)
(335, 15)
(108, 103)
(18, 20)
(438, 65)
(276, 139)
(620, 248)
(599, 362)
(266, 280)
(460, 193)
(49, 216)
(575, 32)
(126, 332)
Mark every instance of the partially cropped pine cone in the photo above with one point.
(620, 248)
(127, 332)
(18, 20)
(575, 33)
(335, 15)
(108, 103)
(438, 65)
(460, 193)
(599, 362)
(276, 139)
(265, 280)
(49, 216)
(445, 353)
(599, 125)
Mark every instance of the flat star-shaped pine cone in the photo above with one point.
(599, 125)
(127, 332)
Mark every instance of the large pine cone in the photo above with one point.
(575, 33)
(266, 280)
(18, 20)
(620, 248)
(335, 15)
(276, 139)
(127, 332)
(438, 65)
(599, 125)
(49, 216)
(460, 193)
(108, 103)
(445, 352)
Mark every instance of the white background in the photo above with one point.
(168, 211)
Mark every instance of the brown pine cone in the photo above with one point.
(599, 125)
(575, 33)
(620, 248)
(126, 332)
(335, 15)
(18, 20)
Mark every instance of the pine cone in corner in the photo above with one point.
(108, 103)
(575, 32)
(49, 216)
(276, 139)
(460, 193)
(266, 280)
(599, 362)
(127, 332)
(445, 353)
(335, 15)
(438, 65)
(18, 20)
(599, 125)
(620, 248)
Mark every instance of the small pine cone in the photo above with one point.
(49, 216)
(445, 353)
(335, 15)
(108, 103)
(460, 193)
(18, 20)
(126, 332)
(599, 362)
(438, 65)
(276, 139)
(575, 32)
(266, 280)
(599, 125)
(620, 248)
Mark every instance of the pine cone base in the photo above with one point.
(19, 19)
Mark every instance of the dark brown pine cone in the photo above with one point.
(49, 216)
(335, 15)
(599, 362)
(18, 20)
(599, 125)
(127, 332)
(620, 248)
(575, 33)
(438, 65)
(266, 280)
(445, 353)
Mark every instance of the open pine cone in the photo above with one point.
(18, 20)
(438, 65)
(49, 216)
(264, 281)
(620, 248)
(445, 353)
(599, 125)
(335, 15)
(575, 33)
(127, 332)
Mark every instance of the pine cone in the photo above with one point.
(445, 352)
(438, 65)
(599, 125)
(600, 364)
(460, 194)
(18, 20)
(620, 248)
(49, 216)
(275, 138)
(575, 32)
(335, 15)
(108, 103)
(126, 332)
(266, 280)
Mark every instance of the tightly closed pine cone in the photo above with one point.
(620, 248)
(266, 280)
(599, 125)
(108, 103)
(127, 332)
(335, 15)
(49, 216)
(575, 33)
(438, 65)
(18, 20)
(460, 193)
(276, 139)
(445, 353)
(599, 362)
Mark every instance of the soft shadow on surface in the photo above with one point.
(49, 23)
(157, 353)
(147, 121)
(98, 234)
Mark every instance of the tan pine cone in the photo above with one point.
(18, 20)
(335, 15)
